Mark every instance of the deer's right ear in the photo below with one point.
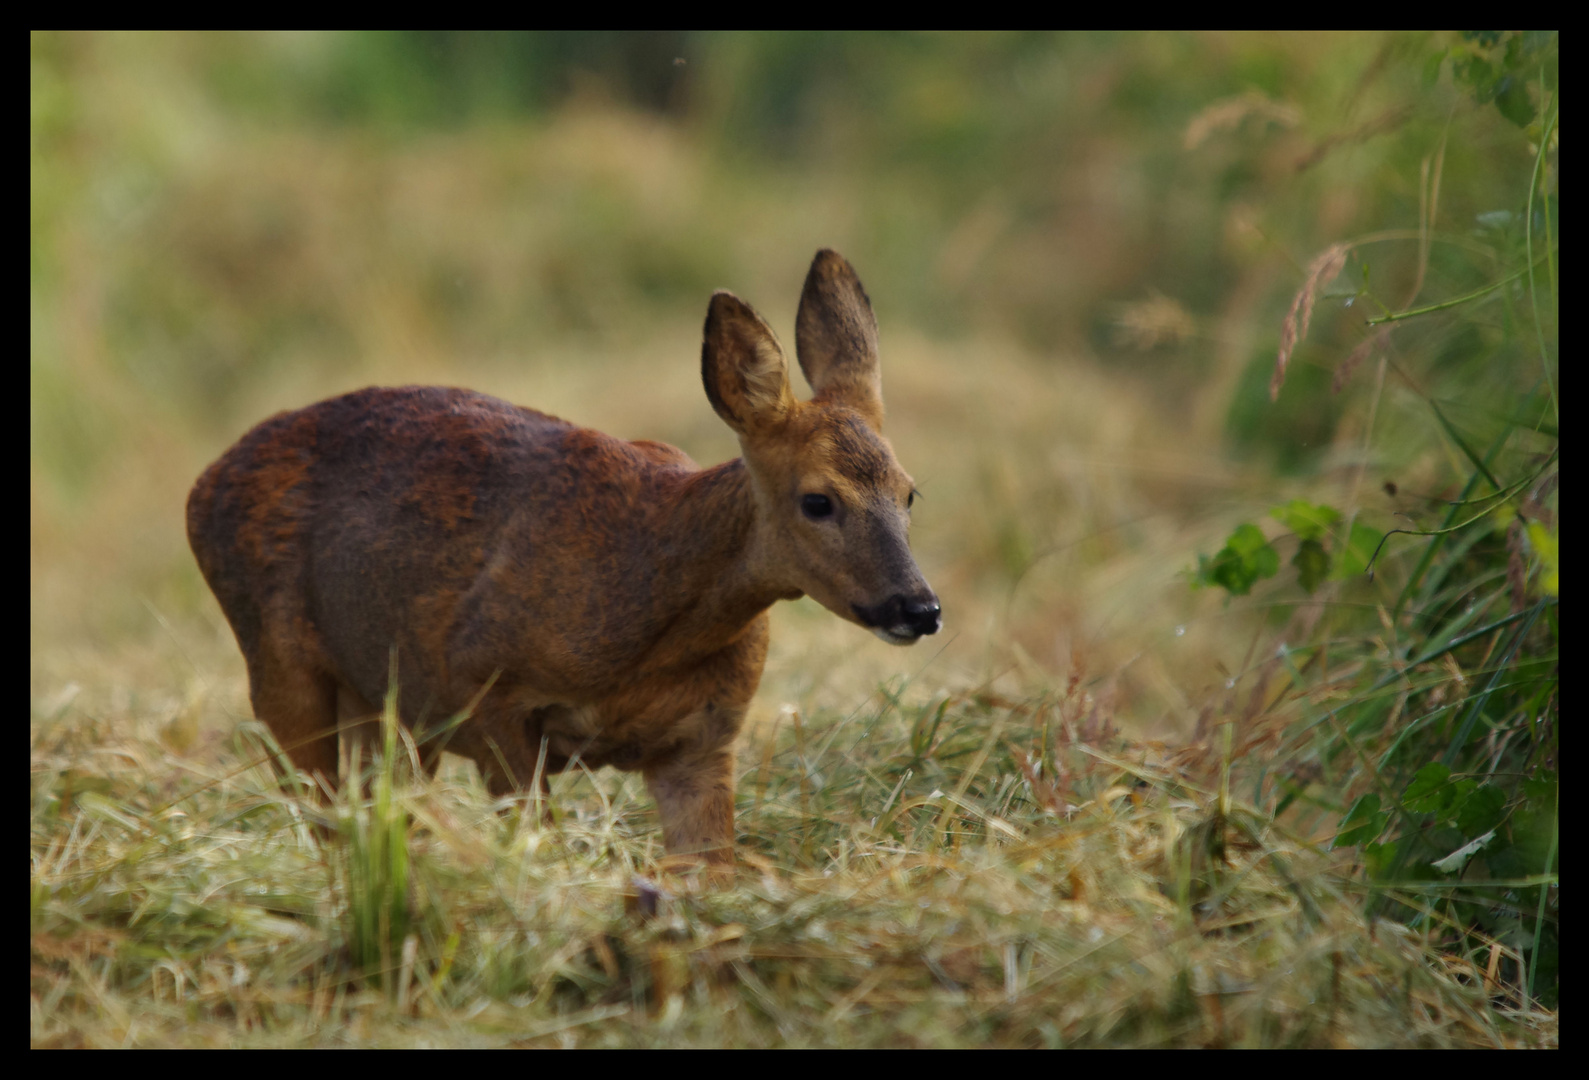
(742, 367)
(836, 338)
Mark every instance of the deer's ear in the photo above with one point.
(742, 367)
(836, 338)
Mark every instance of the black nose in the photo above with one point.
(903, 615)
(922, 618)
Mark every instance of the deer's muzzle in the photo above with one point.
(901, 619)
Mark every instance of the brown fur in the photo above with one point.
(613, 596)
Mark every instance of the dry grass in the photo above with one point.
(902, 883)
(1321, 271)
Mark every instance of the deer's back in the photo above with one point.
(417, 516)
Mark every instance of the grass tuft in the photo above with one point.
(373, 865)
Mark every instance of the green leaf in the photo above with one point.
(1428, 791)
(1540, 789)
(1245, 558)
(1312, 563)
(1481, 811)
(1232, 573)
(1308, 520)
(1461, 791)
(1247, 539)
(1476, 73)
(1362, 823)
(1267, 561)
(1512, 99)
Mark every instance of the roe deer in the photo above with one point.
(609, 597)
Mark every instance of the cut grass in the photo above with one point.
(936, 875)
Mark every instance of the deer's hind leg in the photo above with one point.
(299, 705)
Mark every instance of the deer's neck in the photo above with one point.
(710, 562)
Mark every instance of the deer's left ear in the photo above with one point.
(742, 367)
(836, 338)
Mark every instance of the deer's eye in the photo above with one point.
(816, 506)
(910, 500)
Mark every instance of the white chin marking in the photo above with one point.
(894, 637)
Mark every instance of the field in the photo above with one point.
(1113, 803)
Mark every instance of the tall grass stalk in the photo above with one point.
(374, 861)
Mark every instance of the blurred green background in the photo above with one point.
(1080, 248)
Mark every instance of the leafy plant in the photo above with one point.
(1432, 705)
(1248, 557)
